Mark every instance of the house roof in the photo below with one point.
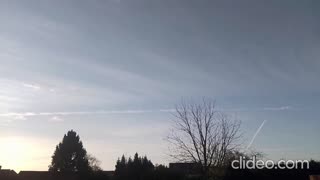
(7, 171)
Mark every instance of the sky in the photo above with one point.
(113, 70)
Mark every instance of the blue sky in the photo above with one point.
(113, 69)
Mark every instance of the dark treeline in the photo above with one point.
(141, 168)
(70, 156)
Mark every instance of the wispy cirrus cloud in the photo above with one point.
(23, 115)
(32, 86)
(281, 108)
(65, 113)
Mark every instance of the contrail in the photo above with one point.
(257, 132)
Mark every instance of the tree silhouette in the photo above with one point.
(203, 135)
(70, 156)
(141, 168)
(137, 169)
(94, 163)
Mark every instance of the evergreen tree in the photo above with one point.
(137, 168)
(70, 156)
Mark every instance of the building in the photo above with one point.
(7, 174)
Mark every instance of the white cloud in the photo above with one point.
(56, 119)
(20, 117)
(52, 90)
(32, 86)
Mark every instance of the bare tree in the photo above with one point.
(203, 135)
(94, 163)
